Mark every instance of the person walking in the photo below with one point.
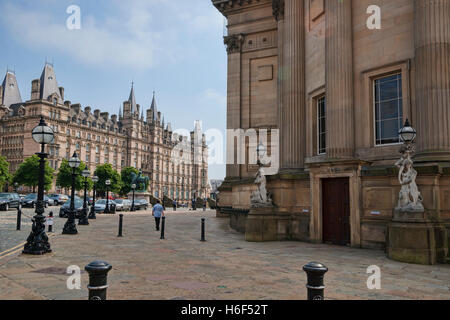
(158, 212)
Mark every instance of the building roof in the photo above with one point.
(49, 85)
(11, 92)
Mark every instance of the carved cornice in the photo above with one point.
(278, 9)
(234, 43)
(223, 5)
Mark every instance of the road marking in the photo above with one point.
(13, 252)
(5, 253)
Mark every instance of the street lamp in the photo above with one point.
(108, 183)
(92, 213)
(194, 201)
(407, 133)
(37, 242)
(70, 227)
(133, 187)
(84, 215)
(16, 185)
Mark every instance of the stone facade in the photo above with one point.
(126, 139)
(334, 89)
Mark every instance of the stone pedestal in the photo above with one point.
(415, 238)
(139, 195)
(264, 224)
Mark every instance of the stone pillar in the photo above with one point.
(339, 79)
(234, 47)
(278, 13)
(431, 113)
(292, 115)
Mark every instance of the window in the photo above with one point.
(88, 148)
(321, 126)
(77, 146)
(87, 158)
(388, 102)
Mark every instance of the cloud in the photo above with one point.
(131, 34)
(212, 98)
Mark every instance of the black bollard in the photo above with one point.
(203, 230)
(120, 224)
(315, 272)
(98, 279)
(50, 222)
(19, 217)
(163, 224)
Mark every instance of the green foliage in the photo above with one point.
(105, 172)
(64, 177)
(28, 173)
(126, 178)
(5, 176)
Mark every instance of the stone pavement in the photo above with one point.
(224, 267)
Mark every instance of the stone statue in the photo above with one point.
(140, 181)
(260, 197)
(409, 198)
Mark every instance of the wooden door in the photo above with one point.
(336, 211)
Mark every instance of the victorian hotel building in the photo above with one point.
(338, 89)
(122, 140)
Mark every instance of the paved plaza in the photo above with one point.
(183, 267)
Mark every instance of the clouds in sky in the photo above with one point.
(136, 34)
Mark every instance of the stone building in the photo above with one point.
(338, 91)
(126, 139)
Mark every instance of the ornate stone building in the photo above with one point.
(338, 91)
(126, 139)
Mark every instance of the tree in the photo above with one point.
(105, 172)
(5, 176)
(64, 177)
(28, 174)
(125, 176)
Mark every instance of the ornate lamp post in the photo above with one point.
(37, 242)
(84, 216)
(108, 183)
(92, 213)
(133, 187)
(410, 198)
(70, 227)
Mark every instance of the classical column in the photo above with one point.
(431, 110)
(339, 79)
(278, 13)
(234, 49)
(292, 115)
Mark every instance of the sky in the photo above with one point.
(172, 47)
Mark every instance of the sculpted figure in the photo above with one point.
(409, 196)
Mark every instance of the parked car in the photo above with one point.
(141, 204)
(78, 206)
(58, 199)
(123, 204)
(9, 200)
(30, 201)
(100, 205)
(90, 200)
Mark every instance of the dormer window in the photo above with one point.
(50, 78)
(55, 101)
(11, 85)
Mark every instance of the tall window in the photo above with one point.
(321, 126)
(388, 109)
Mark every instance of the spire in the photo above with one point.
(163, 123)
(198, 126)
(153, 107)
(142, 115)
(132, 99)
(169, 127)
(49, 85)
(10, 90)
(120, 112)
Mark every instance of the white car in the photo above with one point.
(123, 204)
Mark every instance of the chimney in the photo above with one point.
(61, 92)
(76, 107)
(35, 89)
(105, 115)
(97, 113)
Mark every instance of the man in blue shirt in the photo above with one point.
(158, 212)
